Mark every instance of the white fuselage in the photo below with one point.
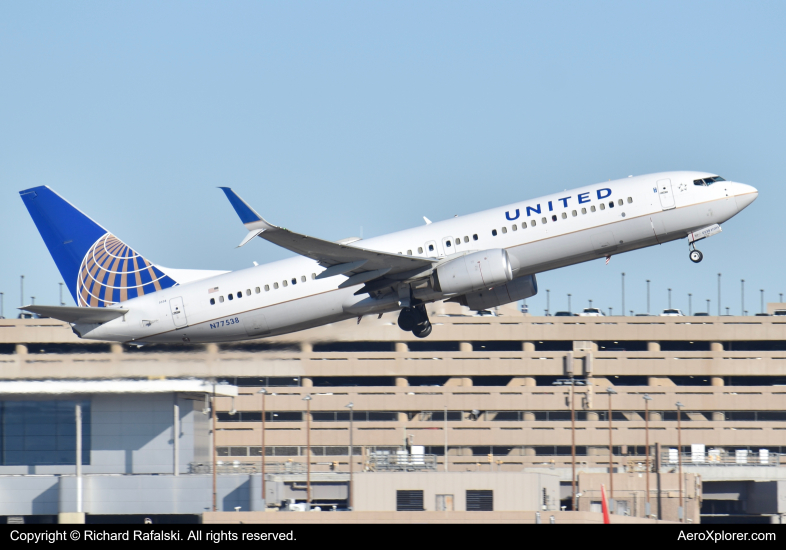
(648, 215)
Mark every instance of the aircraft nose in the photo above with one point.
(744, 195)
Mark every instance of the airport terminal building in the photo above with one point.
(483, 396)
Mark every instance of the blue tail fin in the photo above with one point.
(97, 267)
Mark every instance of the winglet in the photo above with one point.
(244, 211)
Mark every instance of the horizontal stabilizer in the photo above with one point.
(73, 314)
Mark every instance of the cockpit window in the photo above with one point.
(708, 181)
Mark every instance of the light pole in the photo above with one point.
(213, 414)
(669, 298)
(623, 293)
(62, 303)
(708, 306)
(611, 311)
(742, 296)
(548, 301)
(611, 391)
(22, 291)
(307, 399)
(679, 455)
(647, 400)
(569, 304)
(719, 294)
(572, 382)
(445, 420)
(690, 304)
(1, 306)
(263, 392)
(648, 295)
(350, 406)
(761, 290)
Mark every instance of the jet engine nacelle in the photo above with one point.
(515, 290)
(476, 271)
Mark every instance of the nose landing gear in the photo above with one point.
(415, 319)
(696, 256)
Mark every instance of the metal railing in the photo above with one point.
(738, 458)
(237, 467)
(401, 462)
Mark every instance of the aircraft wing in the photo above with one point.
(72, 314)
(343, 258)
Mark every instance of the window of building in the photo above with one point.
(409, 501)
(592, 208)
(212, 301)
(475, 237)
(602, 206)
(480, 500)
(221, 299)
(275, 285)
(493, 232)
(504, 230)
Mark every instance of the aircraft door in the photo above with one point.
(178, 311)
(447, 246)
(432, 249)
(665, 194)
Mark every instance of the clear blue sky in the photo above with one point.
(332, 116)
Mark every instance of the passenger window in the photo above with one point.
(611, 204)
(240, 294)
(532, 223)
(602, 206)
(515, 227)
(248, 292)
(583, 210)
(275, 285)
(524, 225)
(302, 278)
(284, 282)
(400, 254)
(409, 253)
(475, 237)
(592, 208)
(256, 290)
(221, 299)
(447, 244)
(267, 288)
(630, 200)
(564, 216)
(313, 276)
(431, 248)
(294, 280)
(543, 220)
(458, 241)
(620, 202)
(230, 297)
(504, 230)
(553, 217)
(420, 250)
(493, 232)
(574, 213)
(466, 239)
(212, 301)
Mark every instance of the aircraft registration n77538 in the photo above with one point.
(480, 260)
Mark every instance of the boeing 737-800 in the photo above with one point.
(480, 260)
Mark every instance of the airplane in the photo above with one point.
(480, 260)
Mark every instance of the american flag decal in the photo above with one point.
(212, 290)
(607, 259)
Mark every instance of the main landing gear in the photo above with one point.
(695, 255)
(415, 319)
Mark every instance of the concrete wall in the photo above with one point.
(512, 491)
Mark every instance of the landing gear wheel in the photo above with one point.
(407, 319)
(421, 331)
(696, 256)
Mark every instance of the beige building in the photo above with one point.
(492, 390)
